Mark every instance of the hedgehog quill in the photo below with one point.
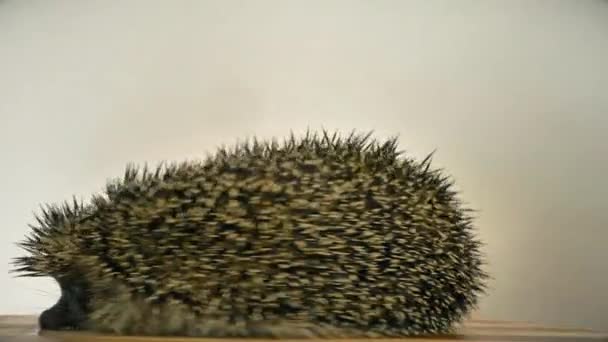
(322, 235)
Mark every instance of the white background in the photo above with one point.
(512, 94)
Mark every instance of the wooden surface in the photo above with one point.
(23, 329)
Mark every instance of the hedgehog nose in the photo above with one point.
(56, 318)
(51, 319)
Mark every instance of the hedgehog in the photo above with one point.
(322, 235)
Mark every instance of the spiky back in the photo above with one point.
(340, 231)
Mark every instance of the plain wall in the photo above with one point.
(512, 94)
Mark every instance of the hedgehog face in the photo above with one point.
(54, 252)
(70, 311)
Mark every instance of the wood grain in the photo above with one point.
(24, 329)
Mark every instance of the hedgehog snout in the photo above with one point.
(53, 319)
(69, 313)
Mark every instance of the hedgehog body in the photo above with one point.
(318, 236)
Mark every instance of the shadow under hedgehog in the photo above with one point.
(317, 236)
